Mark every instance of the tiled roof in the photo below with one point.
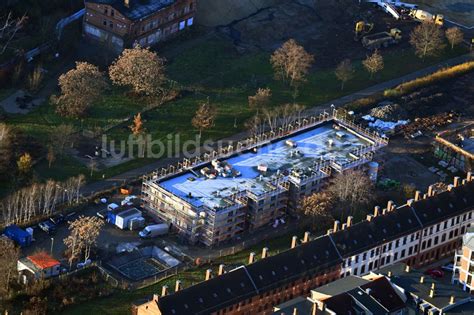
(315, 256)
(43, 260)
(138, 9)
(365, 235)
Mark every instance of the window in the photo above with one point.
(106, 11)
(382, 261)
(388, 259)
(395, 256)
(402, 254)
(364, 256)
(410, 250)
(362, 269)
(104, 22)
(112, 12)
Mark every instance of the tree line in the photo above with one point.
(40, 200)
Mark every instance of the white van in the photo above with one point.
(154, 230)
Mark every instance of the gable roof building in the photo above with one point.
(410, 233)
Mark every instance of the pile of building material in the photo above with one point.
(428, 123)
(388, 111)
(384, 126)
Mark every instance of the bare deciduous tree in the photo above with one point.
(291, 63)
(427, 39)
(260, 100)
(6, 147)
(351, 189)
(204, 117)
(344, 72)
(80, 88)
(62, 136)
(50, 156)
(8, 261)
(373, 63)
(9, 27)
(37, 200)
(454, 36)
(317, 207)
(84, 232)
(141, 69)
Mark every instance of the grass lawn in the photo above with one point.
(212, 69)
(119, 303)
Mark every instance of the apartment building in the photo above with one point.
(463, 270)
(389, 236)
(123, 23)
(258, 182)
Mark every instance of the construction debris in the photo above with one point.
(427, 123)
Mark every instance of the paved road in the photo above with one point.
(138, 172)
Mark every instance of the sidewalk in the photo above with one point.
(135, 174)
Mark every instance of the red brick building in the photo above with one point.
(420, 232)
(123, 23)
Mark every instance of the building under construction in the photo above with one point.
(213, 198)
(456, 147)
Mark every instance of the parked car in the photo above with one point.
(58, 219)
(47, 226)
(435, 273)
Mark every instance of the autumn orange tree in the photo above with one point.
(204, 117)
(291, 63)
(80, 88)
(140, 69)
(137, 126)
(25, 163)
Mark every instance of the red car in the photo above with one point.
(435, 273)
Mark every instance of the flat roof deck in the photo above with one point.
(312, 147)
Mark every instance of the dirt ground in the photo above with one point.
(321, 26)
(408, 160)
(457, 11)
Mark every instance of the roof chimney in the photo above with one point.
(390, 205)
(433, 286)
(417, 195)
(220, 272)
(410, 202)
(295, 311)
(376, 211)
(422, 279)
(155, 297)
(368, 291)
(306, 237)
(456, 181)
(349, 221)
(432, 293)
(369, 217)
(164, 290)
(294, 239)
(464, 182)
(451, 300)
(430, 190)
(384, 211)
(407, 268)
(389, 274)
(177, 286)
(450, 187)
(344, 225)
(336, 225)
(251, 258)
(208, 274)
(469, 176)
(126, 3)
(329, 231)
(425, 196)
(264, 252)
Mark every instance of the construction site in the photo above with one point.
(224, 193)
(321, 26)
